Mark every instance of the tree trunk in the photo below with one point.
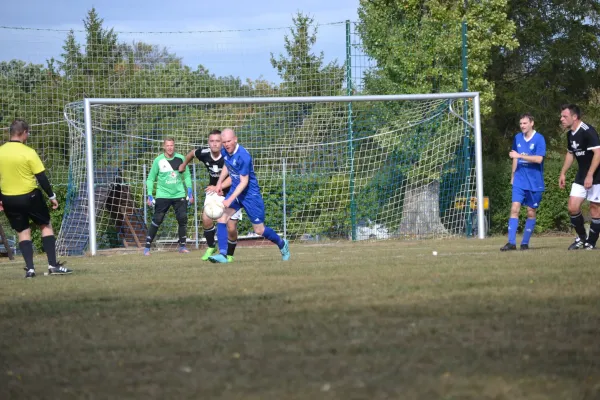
(421, 211)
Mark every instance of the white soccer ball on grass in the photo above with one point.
(214, 209)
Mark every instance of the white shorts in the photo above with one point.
(592, 194)
(238, 214)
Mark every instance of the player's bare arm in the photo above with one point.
(213, 189)
(188, 159)
(222, 177)
(566, 165)
(244, 179)
(514, 168)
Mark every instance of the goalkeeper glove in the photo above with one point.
(190, 196)
(151, 201)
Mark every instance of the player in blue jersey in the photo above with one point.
(213, 160)
(244, 193)
(528, 152)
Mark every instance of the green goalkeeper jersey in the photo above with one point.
(170, 184)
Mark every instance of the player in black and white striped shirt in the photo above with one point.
(583, 145)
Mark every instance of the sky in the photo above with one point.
(227, 37)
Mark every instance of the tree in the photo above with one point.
(303, 72)
(25, 76)
(417, 47)
(148, 56)
(72, 57)
(102, 51)
(18, 81)
(556, 62)
(417, 44)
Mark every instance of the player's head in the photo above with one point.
(214, 141)
(169, 147)
(526, 123)
(19, 130)
(229, 139)
(570, 114)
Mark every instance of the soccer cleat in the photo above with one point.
(146, 251)
(588, 246)
(524, 247)
(58, 269)
(577, 244)
(508, 246)
(229, 259)
(285, 250)
(183, 249)
(218, 259)
(209, 252)
(30, 273)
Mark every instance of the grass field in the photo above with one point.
(340, 321)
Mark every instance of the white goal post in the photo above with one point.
(470, 101)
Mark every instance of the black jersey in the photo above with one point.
(214, 167)
(581, 144)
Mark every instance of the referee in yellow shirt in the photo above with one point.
(20, 171)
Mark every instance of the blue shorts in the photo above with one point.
(526, 197)
(254, 206)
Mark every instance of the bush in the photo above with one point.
(552, 214)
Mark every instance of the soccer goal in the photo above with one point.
(330, 168)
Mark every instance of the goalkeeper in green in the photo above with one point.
(170, 192)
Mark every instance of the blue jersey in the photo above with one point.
(240, 163)
(529, 175)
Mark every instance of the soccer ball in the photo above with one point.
(214, 209)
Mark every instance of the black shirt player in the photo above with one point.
(583, 145)
(211, 158)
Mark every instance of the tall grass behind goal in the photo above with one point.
(330, 168)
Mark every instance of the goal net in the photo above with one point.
(347, 168)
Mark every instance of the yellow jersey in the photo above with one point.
(18, 166)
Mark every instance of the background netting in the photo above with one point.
(364, 170)
(45, 84)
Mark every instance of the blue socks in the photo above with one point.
(273, 237)
(223, 242)
(513, 224)
(529, 228)
(222, 237)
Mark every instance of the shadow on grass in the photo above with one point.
(278, 345)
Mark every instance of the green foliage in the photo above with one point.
(552, 214)
(23, 76)
(556, 63)
(592, 114)
(332, 221)
(302, 71)
(146, 56)
(18, 82)
(417, 44)
(104, 67)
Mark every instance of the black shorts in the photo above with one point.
(20, 209)
(179, 205)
